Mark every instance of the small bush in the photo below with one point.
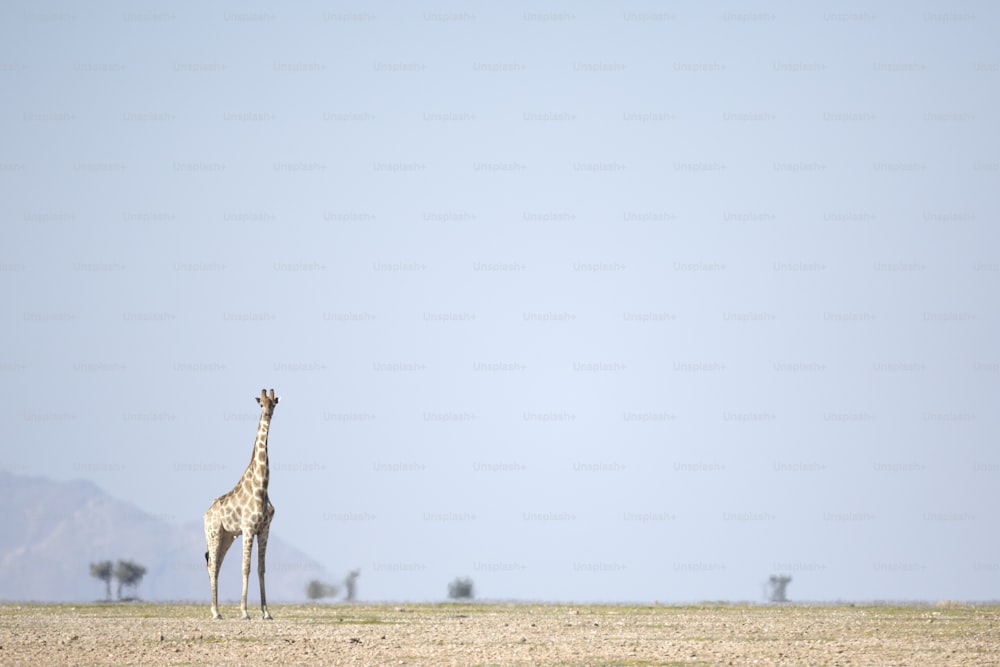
(461, 589)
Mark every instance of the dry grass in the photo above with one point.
(501, 634)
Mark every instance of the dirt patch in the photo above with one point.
(501, 634)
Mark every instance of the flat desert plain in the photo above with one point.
(501, 634)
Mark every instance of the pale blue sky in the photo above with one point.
(585, 301)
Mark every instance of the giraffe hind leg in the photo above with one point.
(247, 548)
(218, 543)
(214, 563)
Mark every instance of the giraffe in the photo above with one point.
(246, 511)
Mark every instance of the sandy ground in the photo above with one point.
(501, 634)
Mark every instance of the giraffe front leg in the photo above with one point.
(261, 551)
(247, 546)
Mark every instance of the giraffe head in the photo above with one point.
(268, 402)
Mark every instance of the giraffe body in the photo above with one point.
(245, 512)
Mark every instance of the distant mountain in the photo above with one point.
(52, 531)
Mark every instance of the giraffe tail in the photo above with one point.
(206, 558)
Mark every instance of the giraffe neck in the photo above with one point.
(258, 472)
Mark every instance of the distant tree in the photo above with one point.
(316, 590)
(102, 570)
(460, 589)
(779, 582)
(128, 574)
(350, 584)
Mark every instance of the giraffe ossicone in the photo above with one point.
(246, 512)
